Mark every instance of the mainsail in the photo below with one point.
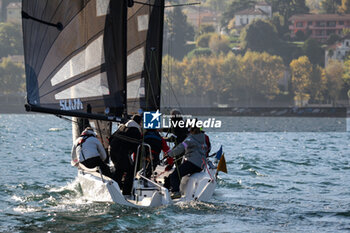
(75, 56)
(144, 55)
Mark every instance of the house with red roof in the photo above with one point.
(319, 26)
(261, 10)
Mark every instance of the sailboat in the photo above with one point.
(100, 60)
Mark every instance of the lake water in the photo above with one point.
(277, 182)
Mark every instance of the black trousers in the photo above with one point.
(184, 169)
(97, 161)
(127, 169)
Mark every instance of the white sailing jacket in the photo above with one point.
(91, 148)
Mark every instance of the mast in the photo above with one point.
(144, 55)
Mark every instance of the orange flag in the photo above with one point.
(222, 164)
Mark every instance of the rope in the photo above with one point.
(206, 167)
(128, 139)
(66, 119)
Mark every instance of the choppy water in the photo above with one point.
(277, 182)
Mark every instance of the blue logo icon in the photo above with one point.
(152, 120)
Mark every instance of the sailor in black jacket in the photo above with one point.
(123, 143)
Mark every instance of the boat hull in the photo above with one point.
(96, 187)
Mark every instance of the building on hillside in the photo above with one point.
(319, 26)
(261, 11)
(14, 12)
(338, 51)
(198, 16)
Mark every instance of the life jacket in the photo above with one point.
(83, 139)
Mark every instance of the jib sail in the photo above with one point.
(144, 55)
(75, 56)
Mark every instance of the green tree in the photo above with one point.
(314, 5)
(301, 69)
(260, 36)
(318, 84)
(313, 50)
(287, 8)
(231, 71)
(217, 5)
(345, 7)
(10, 39)
(205, 52)
(179, 32)
(300, 35)
(278, 21)
(330, 6)
(334, 76)
(333, 38)
(173, 81)
(262, 72)
(205, 29)
(219, 44)
(346, 74)
(203, 40)
(11, 77)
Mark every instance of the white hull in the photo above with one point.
(198, 187)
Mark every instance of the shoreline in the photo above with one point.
(341, 112)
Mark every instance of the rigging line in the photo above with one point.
(176, 5)
(173, 92)
(131, 16)
(66, 118)
(100, 131)
(170, 70)
(137, 94)
(149, 70)
(128, 139)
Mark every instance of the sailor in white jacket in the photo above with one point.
(88, 150)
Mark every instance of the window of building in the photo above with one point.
(320, 23)
(341, 22)
(309, 23)
(330, 32)
(241, 20)
(300, 24)
(320, 32)
(331, 23)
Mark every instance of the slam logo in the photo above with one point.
(152, 120)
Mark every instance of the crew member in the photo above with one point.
(194, 148)
(88, 150)
(123, 143)
(158, 144)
